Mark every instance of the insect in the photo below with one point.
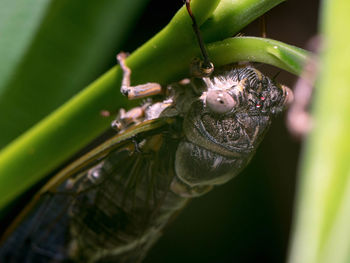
(112, 204)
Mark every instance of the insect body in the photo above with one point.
(112, 204)
(208, 130)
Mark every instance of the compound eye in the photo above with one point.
(219, 101)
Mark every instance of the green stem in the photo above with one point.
(256, 49)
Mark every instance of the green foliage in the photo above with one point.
(52, 49)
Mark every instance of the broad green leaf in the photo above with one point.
(52, 49)
(19, 21)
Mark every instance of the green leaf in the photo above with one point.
(52, 49)
(19, 21)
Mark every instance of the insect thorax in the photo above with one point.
(223, 127)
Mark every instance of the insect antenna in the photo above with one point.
(276, 76)
(263, 27)
(206, 67)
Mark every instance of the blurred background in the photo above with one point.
(246, 220)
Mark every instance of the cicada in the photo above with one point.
(112, 204)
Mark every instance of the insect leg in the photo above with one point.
(139, 91)
(126, 118)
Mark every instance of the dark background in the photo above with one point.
(249, 219)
